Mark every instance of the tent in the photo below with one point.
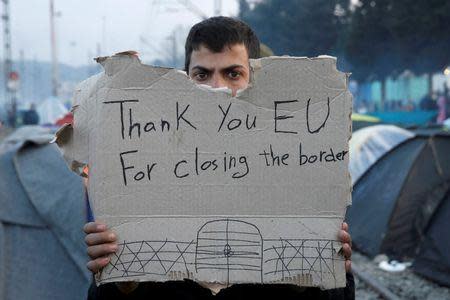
(370, 143)
(51, 110)
(401, 205)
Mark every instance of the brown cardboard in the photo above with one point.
(267, 216)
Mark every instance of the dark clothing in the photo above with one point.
(30, 117)
(427, 103)
(188, 289)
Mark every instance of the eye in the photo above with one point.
(200, 76)
(234, 75)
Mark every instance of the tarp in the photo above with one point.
(51, 110)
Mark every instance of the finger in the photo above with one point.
(344, 226)
(347, 251)
(344, 237)
(98, 251)
(93, 227)
(105, 237)
(97, 264)
(348, 266)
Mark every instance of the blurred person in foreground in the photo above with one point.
(217, 54)
(41, 211)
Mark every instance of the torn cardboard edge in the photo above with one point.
(77, 144)
(64, 136)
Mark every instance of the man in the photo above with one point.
(31, 116)
(217, 54)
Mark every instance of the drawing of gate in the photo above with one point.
(229, 246)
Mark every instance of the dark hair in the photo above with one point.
(218, 32)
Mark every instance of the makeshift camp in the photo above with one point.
(368, 144)
(401, 205)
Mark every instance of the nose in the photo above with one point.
(217, 81)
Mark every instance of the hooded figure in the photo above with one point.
(42, 253)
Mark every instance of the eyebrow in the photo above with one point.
(200, 68)
(230, 68)
(204, 69)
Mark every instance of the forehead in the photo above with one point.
(230, 55)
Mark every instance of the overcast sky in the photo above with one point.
(115, 25)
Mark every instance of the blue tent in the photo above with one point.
(401, 205)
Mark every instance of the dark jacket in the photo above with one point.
(190, 290)
(30, 117)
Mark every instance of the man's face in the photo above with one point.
(229, 68)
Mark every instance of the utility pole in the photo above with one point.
(173, 40)
(23, 86)
(10, 93)
(55, 71)
(35, 74)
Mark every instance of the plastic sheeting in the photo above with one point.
(51, 110)
(367, 145)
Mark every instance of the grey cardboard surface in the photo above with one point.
(202, 185)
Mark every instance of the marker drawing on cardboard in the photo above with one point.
(199, 184)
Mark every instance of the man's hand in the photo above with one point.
(346, 241)
(101, 243)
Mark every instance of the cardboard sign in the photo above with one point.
(202, 185)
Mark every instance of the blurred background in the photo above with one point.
(398, 52)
